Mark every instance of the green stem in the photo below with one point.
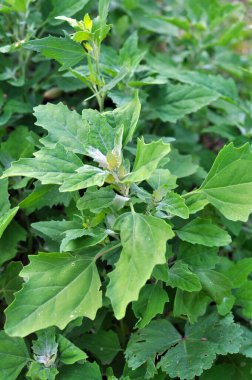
(196, 191)
(107, 250)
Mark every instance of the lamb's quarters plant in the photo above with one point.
(125, 196)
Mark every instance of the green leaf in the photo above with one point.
(60, 274)
(193, 304)
(244, 299)
(87, 371)
(100, 134)
(237, 367)
(204, 232)
(69, 353)
(85, 176)
(96, 200)
(14, 356)
(147, 159)
(126, 115)
(66, 7)
(104, 345)
(215, 284)
(144, 245)
(4, 197)
(238, 273)
(180, 276)
(13, 234)
(64, 126)
(176, 101)
(6, 219)
(180, 165)
(152, 299)
(10, 282)
(64, 50)
(203, 341)
(50, 166)
(174, 204)
(40, 372)
(228, 185)
(198, 256)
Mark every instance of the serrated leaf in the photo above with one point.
(180, 276)
(64, 50)
(147, 159)
(204, 232)
(152, 299)
(64, 126)
(60, 274)
(144, 245)
(203, 341)
(66, 8)
(176, 101)
(228, 185)
(50, 166)
(238, 273)
(14, 356)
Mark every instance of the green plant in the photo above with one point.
(135, 216)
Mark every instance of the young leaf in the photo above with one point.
(228, 185)
(203, 231)
(147, 159)
(60, 274)
(144, 245)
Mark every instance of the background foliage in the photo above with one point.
(125, 190)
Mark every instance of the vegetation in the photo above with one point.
(125, 190)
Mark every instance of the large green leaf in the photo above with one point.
(176, 101)
(6, 218)
(144, 246)
(64, 50)
(198, 256)
(193, 304)
(70, 289)
(215, 284)
(63, 126)
(50, 166)
(13, 356)
(187, 356)
(147, 159)
(87, 371)
(228, 185)
(203, 231)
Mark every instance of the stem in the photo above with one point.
(107, 250)
(132, 207)
(196, 191)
